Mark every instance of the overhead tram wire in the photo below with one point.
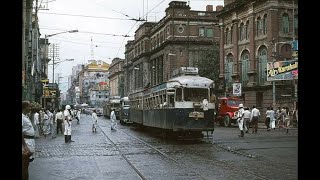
(91, 32)
(136, 23)
(97, 17)
(58, 39)
(125, 37)
(153, 8)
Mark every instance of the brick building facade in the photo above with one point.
(177, 40)
(256, 32)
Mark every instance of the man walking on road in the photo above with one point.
(113, 119)
(94, 121)
(255, 114)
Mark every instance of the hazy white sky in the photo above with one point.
(77, 46)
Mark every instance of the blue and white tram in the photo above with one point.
(183, 105)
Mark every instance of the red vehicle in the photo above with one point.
(227, 109)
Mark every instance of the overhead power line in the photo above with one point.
(98, 17)
(88, 32)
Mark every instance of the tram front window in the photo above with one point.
(195, 94)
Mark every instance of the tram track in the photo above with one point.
(152, 147)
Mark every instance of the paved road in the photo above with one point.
(104, 155)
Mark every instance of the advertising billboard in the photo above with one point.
(282, 70)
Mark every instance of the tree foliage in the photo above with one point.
(209, 64)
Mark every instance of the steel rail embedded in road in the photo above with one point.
(154, 148)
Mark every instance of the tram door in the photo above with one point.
(170, 98)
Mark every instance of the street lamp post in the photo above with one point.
(46, 37)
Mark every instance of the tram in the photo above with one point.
(124, 110)
(114, 102)
(184, 105)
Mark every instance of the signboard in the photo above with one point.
(45, 83)
(236, 89)
(282, 70)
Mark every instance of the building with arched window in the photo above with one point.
(253, 33)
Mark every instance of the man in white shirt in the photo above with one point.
(113, 119)
(36, 122)
(28, 143)
(94, 121)
(59, 120)
(240, 120)
(246, 119)
(255, 114)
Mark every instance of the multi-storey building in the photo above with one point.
(178, 39)
(254, 33)
(116, 78)
(92, 74)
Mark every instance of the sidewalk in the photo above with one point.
(91, 156)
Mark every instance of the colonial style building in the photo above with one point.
(116, 78)
(254, 33)
(178, 39)
(94, 77)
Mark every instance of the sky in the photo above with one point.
(105, 21)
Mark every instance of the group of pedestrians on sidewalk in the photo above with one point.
(245, 118)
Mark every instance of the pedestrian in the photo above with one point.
(67, 124)
(78, 114)
(240, 119)
(59, 120)
(287, 119)
(46, 126)
(272, 119)
(267, 121)
(36, 126)
(113, 119)
(246, 119)
(94, 121)
(54, 124)
(255, 114)
(28, 143)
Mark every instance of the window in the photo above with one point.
(229, 68)
(263, 61)
(195, 94)
(259, 26)
(285, 23)
(265, 24)
(244, 67)
(201, 32)
(228, 36)
(209, 32)
(247, 30)
(296, 24)
(242, 32)
(179, 94)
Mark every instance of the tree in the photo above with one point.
(209, 64)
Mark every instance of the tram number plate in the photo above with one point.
(196, 114)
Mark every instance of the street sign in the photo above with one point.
(52, 92)
(236, 89)
(45, 83)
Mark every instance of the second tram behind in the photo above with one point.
(183, 105)
(114, 102)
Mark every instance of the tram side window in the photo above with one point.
(179, 94)
(171, 100)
